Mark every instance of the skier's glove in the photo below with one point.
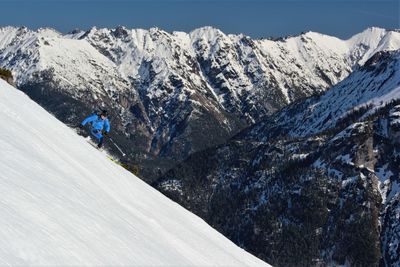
(105, 133)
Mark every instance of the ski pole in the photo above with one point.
(120, 150)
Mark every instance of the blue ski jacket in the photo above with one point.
(97, 123)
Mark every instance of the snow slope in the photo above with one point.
(64, 203)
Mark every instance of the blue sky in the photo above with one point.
(256, 18)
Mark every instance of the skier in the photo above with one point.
(99, 126)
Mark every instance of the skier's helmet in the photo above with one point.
(103, 113)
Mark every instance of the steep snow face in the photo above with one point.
(64, 203)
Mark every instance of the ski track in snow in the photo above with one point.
(64, 203)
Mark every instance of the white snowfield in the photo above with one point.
(62, 202)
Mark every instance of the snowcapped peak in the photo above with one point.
(120, 32)
(75, 34)
(155, 30)
(325, 41)
(91, 31)
(390, 41)
(8, 28)
(23, 29)
(374, 30)
(157, 33)
(368, 37)
(206, 29)
(48, 32)
(311, 33)
(180, 34)
(316, 35)
(121, 27)
(370, 41)
(206, 32)
(182, 38)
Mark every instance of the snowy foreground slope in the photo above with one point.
(64, 203)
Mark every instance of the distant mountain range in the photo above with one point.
(172, 94)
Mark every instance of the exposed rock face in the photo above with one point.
(172, 94)
(317, 183)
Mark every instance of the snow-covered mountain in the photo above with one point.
(364, 91)
(321, 175)
(65, 203)
(172, 94)
(236, 69)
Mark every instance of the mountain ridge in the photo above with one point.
(168, 91)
